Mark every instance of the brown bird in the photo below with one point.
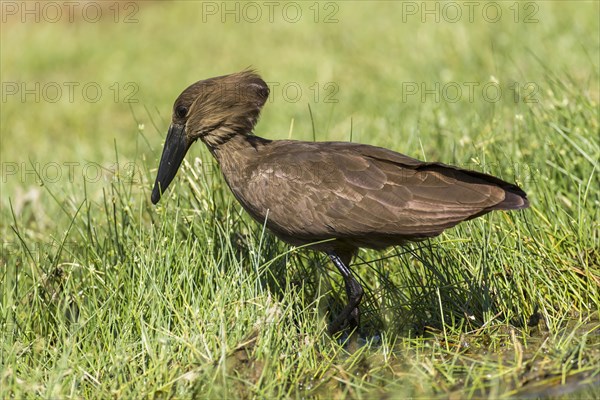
(343, 195)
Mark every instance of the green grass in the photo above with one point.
(104, 295)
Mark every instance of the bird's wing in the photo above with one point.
(335, 190)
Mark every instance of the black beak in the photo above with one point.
(175, 148)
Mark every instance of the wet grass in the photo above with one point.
(105, 295)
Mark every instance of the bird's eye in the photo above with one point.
(181, 111)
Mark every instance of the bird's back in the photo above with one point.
(364, 195)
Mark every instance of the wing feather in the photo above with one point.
(321, 190)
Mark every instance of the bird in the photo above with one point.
(332, 197)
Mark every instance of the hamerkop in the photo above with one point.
(340, 194)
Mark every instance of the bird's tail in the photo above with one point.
(514, 199)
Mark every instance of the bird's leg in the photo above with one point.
(350, 315)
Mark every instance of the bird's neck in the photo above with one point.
(237, 150)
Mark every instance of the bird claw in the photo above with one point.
(348, 320)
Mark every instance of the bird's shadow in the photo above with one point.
(409, 290)
(413, 289)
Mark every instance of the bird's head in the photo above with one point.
(213, 110)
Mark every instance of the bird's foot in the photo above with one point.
(348, 320)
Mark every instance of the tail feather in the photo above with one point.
(515, 199)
